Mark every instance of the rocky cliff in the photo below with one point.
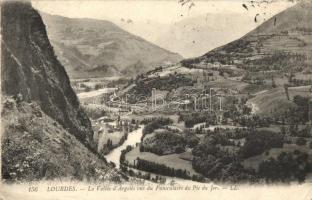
(46, 134)
(31, 71)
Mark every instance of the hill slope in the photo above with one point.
(206, 32)
(46, 134)
(89, 48)
(282, 42)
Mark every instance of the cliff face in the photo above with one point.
(45, 133)
(31, 72)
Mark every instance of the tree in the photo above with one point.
(286, 91)
(97, 86)
(273, 82)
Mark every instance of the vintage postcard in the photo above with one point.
(156, 99)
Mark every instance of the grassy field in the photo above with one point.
(172, 160)
(227, 83)
(274, 101)
(254, 88)
(273, 128)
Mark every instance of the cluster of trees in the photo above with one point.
(293, 130)
(221, 139)
(161, 169)
(301, 112)
(211, 146)
(219, 165)
(204, 149)
(86, 88)
(239, 46)
(298, 114)
(223, 169)
(301, 82)
(98, 86)
(169, 141)
(156, 123)
(286, 167)
(237, 133)
(190, 119)
(190, 63)
(254, 121)
(224, 59)
(259, 142)
(231, 72)
(162, 120)
(190, 138)
(156, 69)
(165, 142)
(144, 86)
(122, 158)
(276, 61)
(107, 147)
(94, 113)
(110, 146)
(258, 80)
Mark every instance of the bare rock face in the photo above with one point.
(31, 72)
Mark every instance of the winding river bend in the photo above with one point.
(133, 138)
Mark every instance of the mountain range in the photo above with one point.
(282, 42)
(94, 48)
(195, 36)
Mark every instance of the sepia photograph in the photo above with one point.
(156, 99)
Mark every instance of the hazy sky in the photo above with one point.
(154, 19)
(159, 11)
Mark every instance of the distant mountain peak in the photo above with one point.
(85, 44)
(285, 37)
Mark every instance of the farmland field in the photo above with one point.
(275, 101)
(172, 160)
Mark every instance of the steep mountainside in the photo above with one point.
(90, 48)
(282, 42)
(43, 123)
(206, 32)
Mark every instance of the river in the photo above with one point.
(133, 138)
